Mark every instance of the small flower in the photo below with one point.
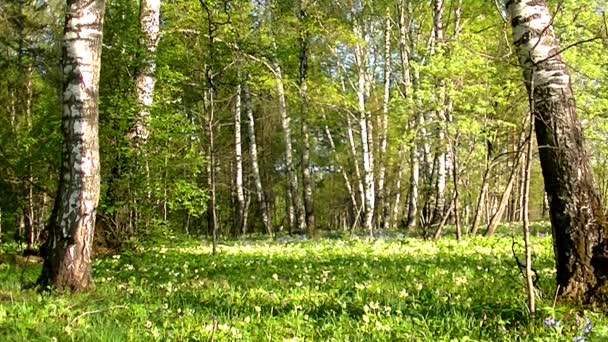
(588, 326)
(551, 322)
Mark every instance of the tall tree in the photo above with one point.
(307, 180)
(67, 264)
(253, 150)
(238, 165)
(383, 204)
(149, 26)
(580, 230)
(366, 126)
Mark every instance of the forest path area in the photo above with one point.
(293, 289)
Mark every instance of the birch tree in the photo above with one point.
(253, 150)
(383, 205)
(67, 264)
(238, 165)
(307, 180)
(145, 82)
(580, 230)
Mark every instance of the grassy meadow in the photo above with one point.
(394, 288)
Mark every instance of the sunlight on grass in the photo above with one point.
(296, 290)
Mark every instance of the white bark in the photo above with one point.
(253, 146)
(69, 248)
(355, 156)
(307, 179)
(365, 126)
(295, 200)
(238, 164)
(383, 134)
(149, 25)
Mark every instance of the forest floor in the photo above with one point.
(292, 289)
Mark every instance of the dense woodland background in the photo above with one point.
(441, 113)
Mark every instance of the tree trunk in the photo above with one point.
(67, 264)
(253, 150)
(397, 191)
(455, 181)
(149, 26)
(294, 196)
(366, 134)
(580, 231)
(526, 223)
(238, 166)
(481, 199)
(359, 180)
(502, 205)
(307, 181)
(383, 204)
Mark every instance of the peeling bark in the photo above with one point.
(67, 265)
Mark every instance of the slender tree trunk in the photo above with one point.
(366, 134)
(359, 180)
(526, 223)
(580, 231)
(397, 190)
(347, 183)
(383, 204)
(253, 150)
(307, 180)
(406, 91)
(238, 165)
(481, 199)
(292, 175)
(502, 205)
(455, 180)
(212, 222)
(67, 265)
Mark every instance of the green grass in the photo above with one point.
(394, 289)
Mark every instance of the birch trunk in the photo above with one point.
(295, 201)
(397, 189)
(253, 150)
(145, 82)
(238, 165)
(366, 143)
(67, 264)
(441, 156)
(406, 91)
(307, 181)
(580, 230)
(383, 204)
(355, 156)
